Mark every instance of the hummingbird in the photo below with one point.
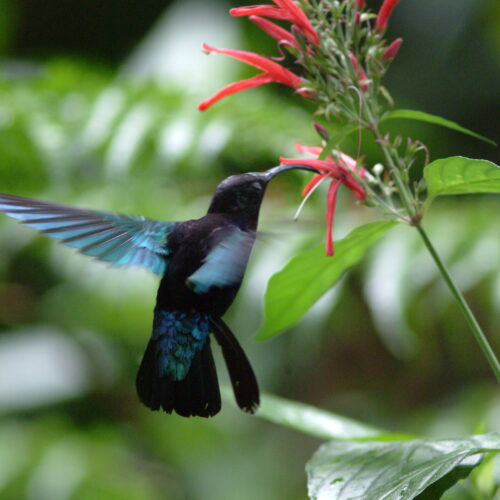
(201, 263)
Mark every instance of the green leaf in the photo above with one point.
(394, 471)
(294, 289)
(314, 421)
(461, 471)
(437, 120)
(319, 423)
(459, 175)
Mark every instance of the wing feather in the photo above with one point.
(121, 240)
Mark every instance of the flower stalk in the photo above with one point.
(464, 307)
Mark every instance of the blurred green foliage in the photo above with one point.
(387, 346)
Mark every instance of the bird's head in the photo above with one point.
(241, 195)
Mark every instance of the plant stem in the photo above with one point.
(469, 316)
(405, 193)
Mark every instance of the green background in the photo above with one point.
(98, 109)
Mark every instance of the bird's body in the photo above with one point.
(188, 308)
(202, 263)
(190, 242)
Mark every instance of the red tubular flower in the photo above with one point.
(324, 166)
(344, 161)
(354, 186)
(331, 201)
(340, 171)
(277, 32)
(332, 169)
(392, 49)
(315, 179)
(286, 10)
(272, 72)
(362, 78)
(298, 17)
(359, 4)
(259, 10)
(384, 14)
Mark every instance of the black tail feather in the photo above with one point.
(245, 387)
(196, 395)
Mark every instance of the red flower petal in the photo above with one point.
(277, 32)
(347, 161)
(344, 160)
(350, 163)
(356, 188)
(287, 10)
(384, 14)
(232, 88)
(298, 17)
(331, 201)
(277, 72)
(313, 182)
(312, 150)
(259, 10)
(322, 165)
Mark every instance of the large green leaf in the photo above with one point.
(459, 175)
(294, 289)
(394, 471)
(437, 120)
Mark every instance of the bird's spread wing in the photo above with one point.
(121, 240)
(225, 264)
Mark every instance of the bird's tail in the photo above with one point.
(177, 372)
(245, 387)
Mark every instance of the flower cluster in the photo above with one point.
(271, 71)
(351, 54)
(340, 170)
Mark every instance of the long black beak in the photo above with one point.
(272, 172)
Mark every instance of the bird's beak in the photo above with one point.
(273, 172)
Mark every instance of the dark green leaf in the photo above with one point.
(459, 175)
(294, 289)
(394, 471)
(437, 120)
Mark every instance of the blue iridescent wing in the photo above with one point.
(225, 264)
(121, 240)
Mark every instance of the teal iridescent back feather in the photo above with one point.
(179, 337)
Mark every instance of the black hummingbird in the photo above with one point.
(202, 263)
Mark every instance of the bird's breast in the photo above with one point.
(189, 248)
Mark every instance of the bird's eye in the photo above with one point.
(241, 199)
(257, 186)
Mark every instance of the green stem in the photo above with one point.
(405, 193)
(469, 316)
